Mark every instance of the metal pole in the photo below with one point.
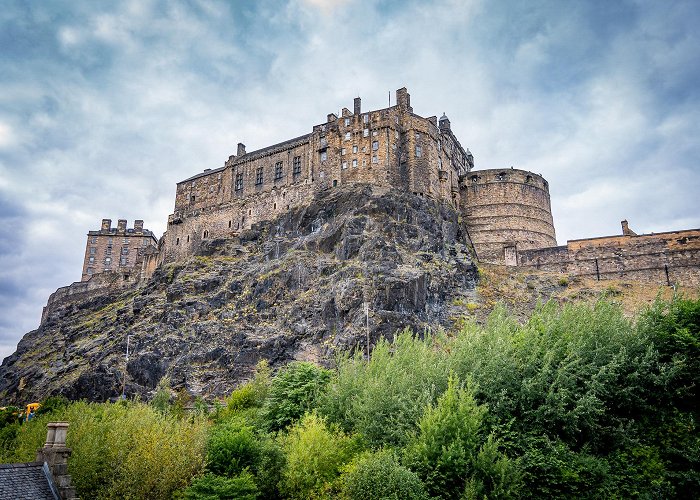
(367, 327)
(126, 365)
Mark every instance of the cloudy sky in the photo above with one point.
(104, 106)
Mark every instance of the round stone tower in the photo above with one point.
(507, 210)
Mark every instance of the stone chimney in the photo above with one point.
(106, 225)
(331, 117)
(121, 226)
(55, 454)
(626, 231)
(138, 226)
(241, 149)
(357, 108)
(403, 99)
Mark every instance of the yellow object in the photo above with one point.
(31, 408)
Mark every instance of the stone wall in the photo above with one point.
(507, 210)
(390, 148)
(661, 258)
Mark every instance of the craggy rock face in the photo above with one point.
(290, 289)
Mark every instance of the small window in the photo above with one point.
(418, 136)
(188, 238)
(348, 136)
(335, 183)
(90, 270)
(194, 183)
(91, 259)
(347, 122)
(375, 145)
(229, 224)
(475, 178)
(324, 142)
(296, 165)
(375, 133)
(528, 178)
(439, 146)
(365, 118)
(354, 149)
(342, 152)
(345, 165)
(278, 171)
(501, 176)
(122, 261)
(396, 134)
(125, 250)
(375, 159)
(108, 261)
(396, 120)
(93, 239)
(419, 151)
(192, 198)
(177, 241)
(259, 176)
(324, 156)
(354, 163)
(93, 250)
(365, 132)
(239, 182)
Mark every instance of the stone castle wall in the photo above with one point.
(388, 148)
(661, 258)
(507, 210)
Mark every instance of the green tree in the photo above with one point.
(293, 392)
(315, 456)
(379, 476)
(213, 487)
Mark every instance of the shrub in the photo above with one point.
(213, 487)
(447, 451)
(383, 399)
(293, 392)
(379, 475)
(315, 455)
(124, 450)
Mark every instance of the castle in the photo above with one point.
(506, 212)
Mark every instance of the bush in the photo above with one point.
(123, 450)
(447, 451)
(315, 455)
(213, 487)
(383, 399)
(234, 447)
(293, 392)
(379, 475)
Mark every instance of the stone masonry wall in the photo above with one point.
(661, 258)
(504, 209)
(387, 148)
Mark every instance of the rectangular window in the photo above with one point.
(375, 159)
(347, 122)
(90, 270)
(354, 149)
(345, 165)
(365, 118)
(418, 136)
(365, 132)
(91, 260)
(342, 152)
(348, 136)
(324, 156)
(239, 181)
(375, 145)
(108, 261)
(93, 239)
(296, 165)
(259, 176)
(125, 250)
(93, 250)
(122, 261)
(278, 170)
(374, 133)
(354, 163)
(324, 142)
(419, 151)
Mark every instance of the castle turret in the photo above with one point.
(507, 210)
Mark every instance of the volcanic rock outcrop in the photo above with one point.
(294, 288)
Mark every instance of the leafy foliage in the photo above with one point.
(377, 476)
(315, 456)
(292, 392)
(213, 487)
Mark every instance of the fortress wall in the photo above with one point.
(647, 257)
(507, 208)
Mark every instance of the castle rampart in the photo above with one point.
(661, 258)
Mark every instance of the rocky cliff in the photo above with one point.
(293, 288)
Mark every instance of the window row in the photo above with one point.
(260, 173)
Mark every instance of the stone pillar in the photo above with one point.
(55, 454)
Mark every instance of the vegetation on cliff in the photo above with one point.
(576, 401)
